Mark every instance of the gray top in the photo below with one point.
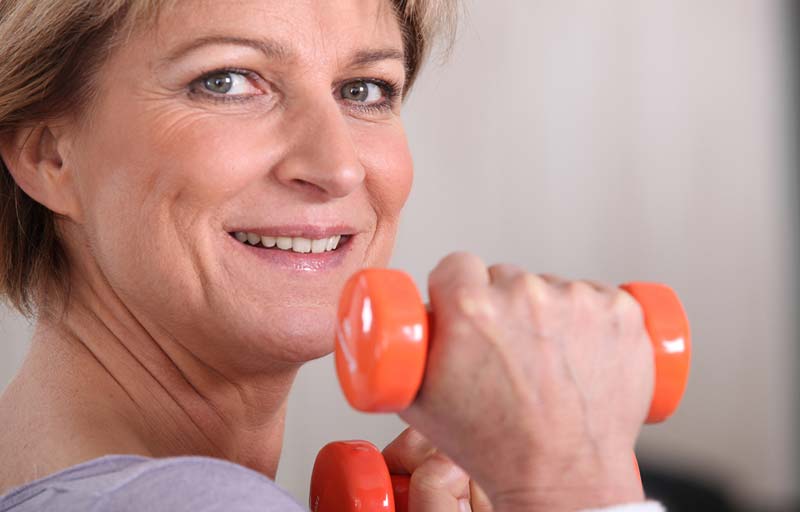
(123, 483)
(128, 483)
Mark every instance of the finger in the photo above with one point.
(601, 287)
(438, 485)
(456, 271)
(583, 288)
(478, 498)
(555, 281)
(588, 290)
(565, 284)
(407, 452)
(504, 272)
(511, 280)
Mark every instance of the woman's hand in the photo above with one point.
(536, 386)
(437, 483)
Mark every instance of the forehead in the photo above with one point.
(298, 27)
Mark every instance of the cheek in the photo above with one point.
(154, 184)
(171, 163)
(390, 171)
(389, 176)
(204, 158)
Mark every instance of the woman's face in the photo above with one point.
(234, 124)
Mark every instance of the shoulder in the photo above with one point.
(125, 483)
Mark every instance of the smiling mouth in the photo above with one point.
(292, 244)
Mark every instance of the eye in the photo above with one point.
(228, 83)
(362, 91)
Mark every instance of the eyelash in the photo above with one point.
(391, 90)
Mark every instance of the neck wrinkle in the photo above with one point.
(177, 404)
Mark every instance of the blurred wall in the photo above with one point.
(613, 140)
(618, 140)
(14, 333)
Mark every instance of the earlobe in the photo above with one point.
(34, 158)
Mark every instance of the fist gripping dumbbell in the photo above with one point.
(381, 349)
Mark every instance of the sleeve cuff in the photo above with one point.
(648, 506)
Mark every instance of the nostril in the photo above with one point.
(307, 186)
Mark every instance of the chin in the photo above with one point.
(304, 335)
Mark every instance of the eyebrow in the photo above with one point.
(363, 57)
(268, 47)
(275, 50)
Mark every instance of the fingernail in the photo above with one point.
(464, 506)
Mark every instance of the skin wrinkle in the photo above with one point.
(174, 200)
(88, 348)
(167, 389)
(570, 373)
(271, 49)
(480, 314)
(567, 367)
(134, 356)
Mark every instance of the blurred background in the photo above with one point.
(615, 140)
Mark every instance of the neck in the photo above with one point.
(137, 390)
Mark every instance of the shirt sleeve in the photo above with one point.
(197, 485)
(178, 484)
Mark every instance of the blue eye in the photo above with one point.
(220, 83)
(362, 91)
(228, 83)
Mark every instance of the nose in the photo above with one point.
(322, 157)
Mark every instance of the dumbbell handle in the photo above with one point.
(383, 331)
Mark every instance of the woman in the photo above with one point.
(186, 187)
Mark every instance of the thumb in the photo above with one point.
(479, 500)
(438, 485)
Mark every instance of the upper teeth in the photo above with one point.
(287, 243)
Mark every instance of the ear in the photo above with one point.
(35, 157)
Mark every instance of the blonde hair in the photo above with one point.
(48, 48)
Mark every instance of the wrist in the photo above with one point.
(574, 487)
(580, 500)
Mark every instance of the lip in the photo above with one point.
(300, 230)
(296, 261)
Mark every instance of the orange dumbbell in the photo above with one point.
(352, 476)
(381, 350)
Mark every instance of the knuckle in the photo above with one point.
(437, 474)
(581, 291)
(473, 302)
(458, 259)
(504, 267)
(505, 270)
(630, 317)
(414, 439)
(624, 305)
(530, 287)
